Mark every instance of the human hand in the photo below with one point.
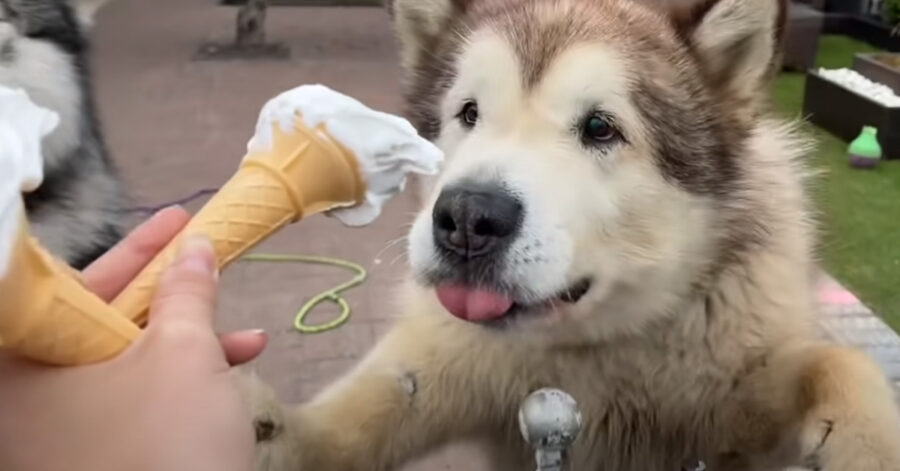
(112, 272)
(167, 403)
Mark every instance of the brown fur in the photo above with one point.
(702, 347)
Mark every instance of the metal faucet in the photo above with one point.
(549, 420)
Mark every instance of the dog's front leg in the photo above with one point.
(847, 417)
(423, 385)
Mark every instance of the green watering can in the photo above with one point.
(864, 151)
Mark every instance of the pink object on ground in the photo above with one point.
(831, 292)
(837, 296)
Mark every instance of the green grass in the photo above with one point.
(860, 209)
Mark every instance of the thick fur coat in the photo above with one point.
(622, 219)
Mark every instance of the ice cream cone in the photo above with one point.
(305, 172)
(47, 315)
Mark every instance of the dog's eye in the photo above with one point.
(468, 115)
(597, 129)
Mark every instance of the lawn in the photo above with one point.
(861, 209)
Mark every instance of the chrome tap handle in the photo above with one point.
(549, 420)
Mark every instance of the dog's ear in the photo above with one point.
(739, 42)
(420, 23)
(86, 10)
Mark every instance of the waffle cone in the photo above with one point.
(47, 315)
(304, 173)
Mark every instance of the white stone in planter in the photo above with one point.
(856, 82)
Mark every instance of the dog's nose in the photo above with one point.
(472, 220)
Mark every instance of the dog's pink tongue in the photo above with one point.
(473, 304)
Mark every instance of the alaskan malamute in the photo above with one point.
(78, 210)
(621, 218)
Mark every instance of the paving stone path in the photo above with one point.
(847, 320)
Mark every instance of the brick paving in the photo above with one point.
(848, 321)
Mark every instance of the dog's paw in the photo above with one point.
(266, 411)
(813, 440)
(829, 444)
(276, 438)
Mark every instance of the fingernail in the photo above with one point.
(197, 254)
(258, 332)
(170, 208)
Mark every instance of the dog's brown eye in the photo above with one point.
(468, 116)
(597, 129)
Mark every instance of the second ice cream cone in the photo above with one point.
(305, 172)
(47, 315)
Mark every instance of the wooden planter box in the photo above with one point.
(877, 71)
(844, 112)
(868, 30)
(853, 7)
(817, 4)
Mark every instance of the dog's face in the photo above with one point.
(592, 147)
(41, 49)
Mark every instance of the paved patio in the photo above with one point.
(176, 126)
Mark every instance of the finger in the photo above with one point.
(242, 347)
(115, 269)
(187, 289)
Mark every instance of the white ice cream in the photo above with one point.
(22, 127)
(387, 146)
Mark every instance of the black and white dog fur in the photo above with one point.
(619, 216)
(77, 213)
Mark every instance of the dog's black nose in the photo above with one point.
(472, 220)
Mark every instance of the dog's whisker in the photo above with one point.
(389, 245)
(398, 258)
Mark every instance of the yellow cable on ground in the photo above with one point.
(332, 295)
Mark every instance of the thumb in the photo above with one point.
(187, 288)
